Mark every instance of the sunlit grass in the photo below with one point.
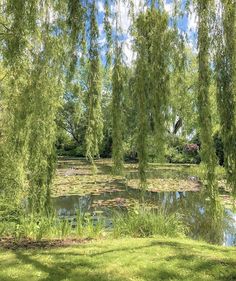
(152, 259)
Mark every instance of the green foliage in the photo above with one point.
(204, 110)
(139, 222)
(70, 115)
(45, 88)
(8, 212)
(145, 222)
(177, 152)
(31, 99)
(94, 132)
(90, 228)
(117, 116)
(38, 226)
(108, 31)
(76, 24)
(151, 81)
(219, 148)
(23, 15)
(226, 85)
(183, 85)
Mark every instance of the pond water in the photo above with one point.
(205, 217)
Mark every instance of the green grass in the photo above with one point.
(146, 222)
(150, 259)
(37, 228)
(142, 221)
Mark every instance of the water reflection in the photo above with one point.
(202, 212)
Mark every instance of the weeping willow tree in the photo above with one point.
(117, 120)
(204, 109)
(118, 80)
(94, 132)
(18, 20)
(226, 86)
(77, 34)
(45, 90)
(151, 82)
(32, 56)
(141, 92)
(179, 97)
(180, 90)
(70, 114)
(108, 31)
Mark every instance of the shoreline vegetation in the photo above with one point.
(132, 219)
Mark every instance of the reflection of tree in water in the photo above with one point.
(72, 205)
(204, 215)
(214, 220)
(202, 212)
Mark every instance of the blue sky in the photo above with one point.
(186, 24)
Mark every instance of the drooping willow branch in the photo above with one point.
(226, 85)
(94, 132)
(32, 96)
(117, 120)
(151, 82)
(207, 148)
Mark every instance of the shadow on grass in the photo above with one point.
(157, 260)
(191, 267)
(188, 264)
(61, 269)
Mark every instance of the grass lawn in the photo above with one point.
(150, 259)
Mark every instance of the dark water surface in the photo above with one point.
(205, 217)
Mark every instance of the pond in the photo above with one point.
(196, 209)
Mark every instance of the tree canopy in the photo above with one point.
(62, 83)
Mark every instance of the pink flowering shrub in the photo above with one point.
(191, 148)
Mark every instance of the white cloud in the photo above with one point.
(124, 18)
(129, 54)
(101, 7)
(169, 7)
(102, 41)
(192, 19)
(124, 24)
(139, 6)
(101, 29)
(192, 28)
(192, 45)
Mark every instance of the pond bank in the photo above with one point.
(172, 188)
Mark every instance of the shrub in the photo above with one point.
(145, 222)
(38, 227)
